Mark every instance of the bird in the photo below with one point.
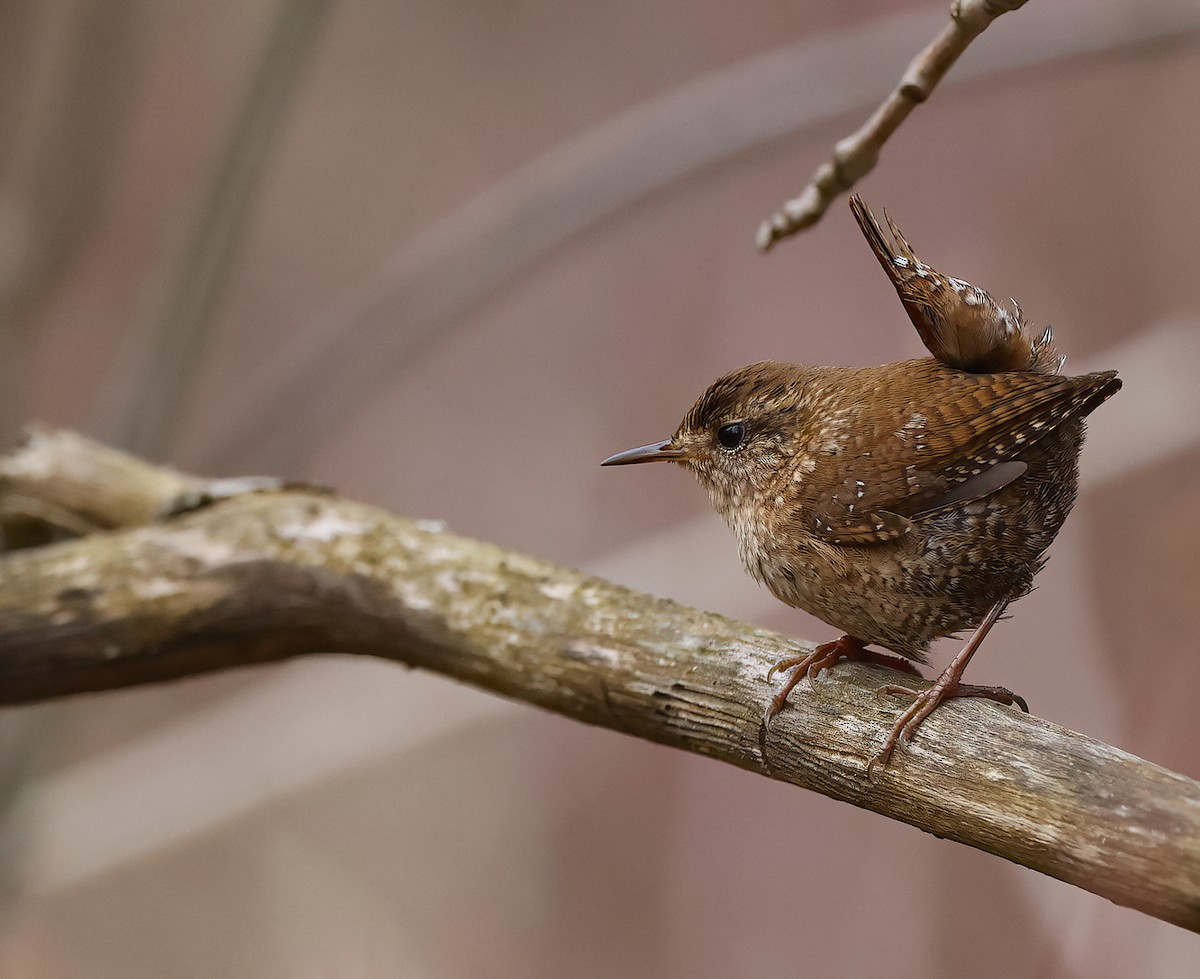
(899, 503)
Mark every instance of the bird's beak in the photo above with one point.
(654, 452)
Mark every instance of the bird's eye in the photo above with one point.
(731, 435)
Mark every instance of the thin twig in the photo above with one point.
(856, 155)
(267, 576)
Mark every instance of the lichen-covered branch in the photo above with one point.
(855, 156)
(274, 574)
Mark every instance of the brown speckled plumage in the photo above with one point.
(837, 495)
(905, 502)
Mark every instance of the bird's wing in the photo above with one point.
(964, 439)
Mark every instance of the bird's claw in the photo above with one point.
(924, 703)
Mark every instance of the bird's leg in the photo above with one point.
(827, 654)
(945, 687)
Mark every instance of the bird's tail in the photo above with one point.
(960, 324)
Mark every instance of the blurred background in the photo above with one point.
(446, 255)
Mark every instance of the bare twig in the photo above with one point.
(855, 156)
(277, 574)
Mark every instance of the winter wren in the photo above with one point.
(899, 503)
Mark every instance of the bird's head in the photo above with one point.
(737, 435)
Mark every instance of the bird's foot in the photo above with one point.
(946, 687)
(827, 654)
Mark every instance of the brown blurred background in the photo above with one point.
(446, 255)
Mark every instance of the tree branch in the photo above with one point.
(269, 575)
(856, 155)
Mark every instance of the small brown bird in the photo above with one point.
(899, 503)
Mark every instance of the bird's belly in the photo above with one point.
(939, 580)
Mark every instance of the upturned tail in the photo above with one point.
(960, 324)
